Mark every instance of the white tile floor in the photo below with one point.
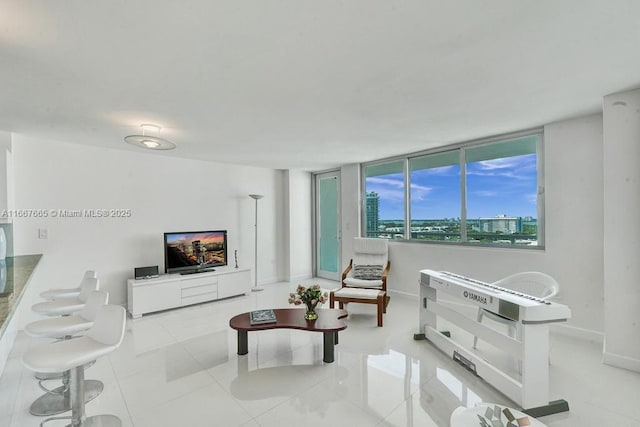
(180, 368)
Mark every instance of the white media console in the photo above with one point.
(175, 290)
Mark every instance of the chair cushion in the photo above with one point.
(359, 283)
(356, 293)
(367, 272)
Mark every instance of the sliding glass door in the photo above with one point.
(327, 212)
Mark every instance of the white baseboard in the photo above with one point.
(620, 361)
(268, 281)
(300, 277)
(405, 294)
(575, 332)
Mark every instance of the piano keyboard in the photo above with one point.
(511, 304)
(495, 287)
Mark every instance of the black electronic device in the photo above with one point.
(145, 272)
(194, 251)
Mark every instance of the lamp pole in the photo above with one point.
(256, 197)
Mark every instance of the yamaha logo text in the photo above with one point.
(475, 297)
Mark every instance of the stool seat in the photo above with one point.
(58, 307)
(61, 293)
(64, 355)
(61, 307)
(57, 327)
(68, 292)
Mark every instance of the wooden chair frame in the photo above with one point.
(381, 300)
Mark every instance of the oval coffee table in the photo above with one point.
(329, 322)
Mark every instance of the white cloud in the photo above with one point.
(485, 193)
(420, 192)
(391, 182)
(393, 189)
(387, 188)
(504, 163)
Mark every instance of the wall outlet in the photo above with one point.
(42, 233)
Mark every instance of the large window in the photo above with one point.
(478, 193)
(435, 196)
(384, 200)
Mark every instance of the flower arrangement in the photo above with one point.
(311, 297)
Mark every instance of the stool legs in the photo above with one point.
(77, 394)
(78, 416)
(58, 400)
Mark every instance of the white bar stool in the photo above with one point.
(58, 400)
(68, 292)
(104, 337)
(66, 306)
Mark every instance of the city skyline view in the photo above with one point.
(503, 186)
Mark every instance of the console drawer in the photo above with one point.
(198, 281)
(199, 290)
(194, 299)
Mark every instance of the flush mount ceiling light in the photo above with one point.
(150, 139)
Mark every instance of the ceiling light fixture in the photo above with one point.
(150, 139)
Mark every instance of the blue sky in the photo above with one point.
(494, 187)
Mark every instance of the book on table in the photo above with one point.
(257, 317)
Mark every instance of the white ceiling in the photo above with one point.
(308, 83)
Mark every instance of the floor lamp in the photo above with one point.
(256, 197)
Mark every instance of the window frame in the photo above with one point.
(461, 147)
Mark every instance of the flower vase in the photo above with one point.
(311, 312)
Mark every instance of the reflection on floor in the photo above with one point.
(180, 367)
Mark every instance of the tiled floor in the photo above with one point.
(180, 368)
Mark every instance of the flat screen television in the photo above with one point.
(194, 251)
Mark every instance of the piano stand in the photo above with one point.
(530, 386)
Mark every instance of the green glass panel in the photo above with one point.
(329, 224)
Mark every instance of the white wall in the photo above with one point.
(6, 189)
(299, 231)
(350, 204)
(573, 254)
(5, 172)
(622, 229)
(163, 193)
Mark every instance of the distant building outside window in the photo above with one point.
(384, 197)
(373, 214)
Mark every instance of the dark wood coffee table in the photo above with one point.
(329, 322)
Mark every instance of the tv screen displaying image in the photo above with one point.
(194, 250)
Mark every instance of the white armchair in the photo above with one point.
(365, 278)
(369, 266)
